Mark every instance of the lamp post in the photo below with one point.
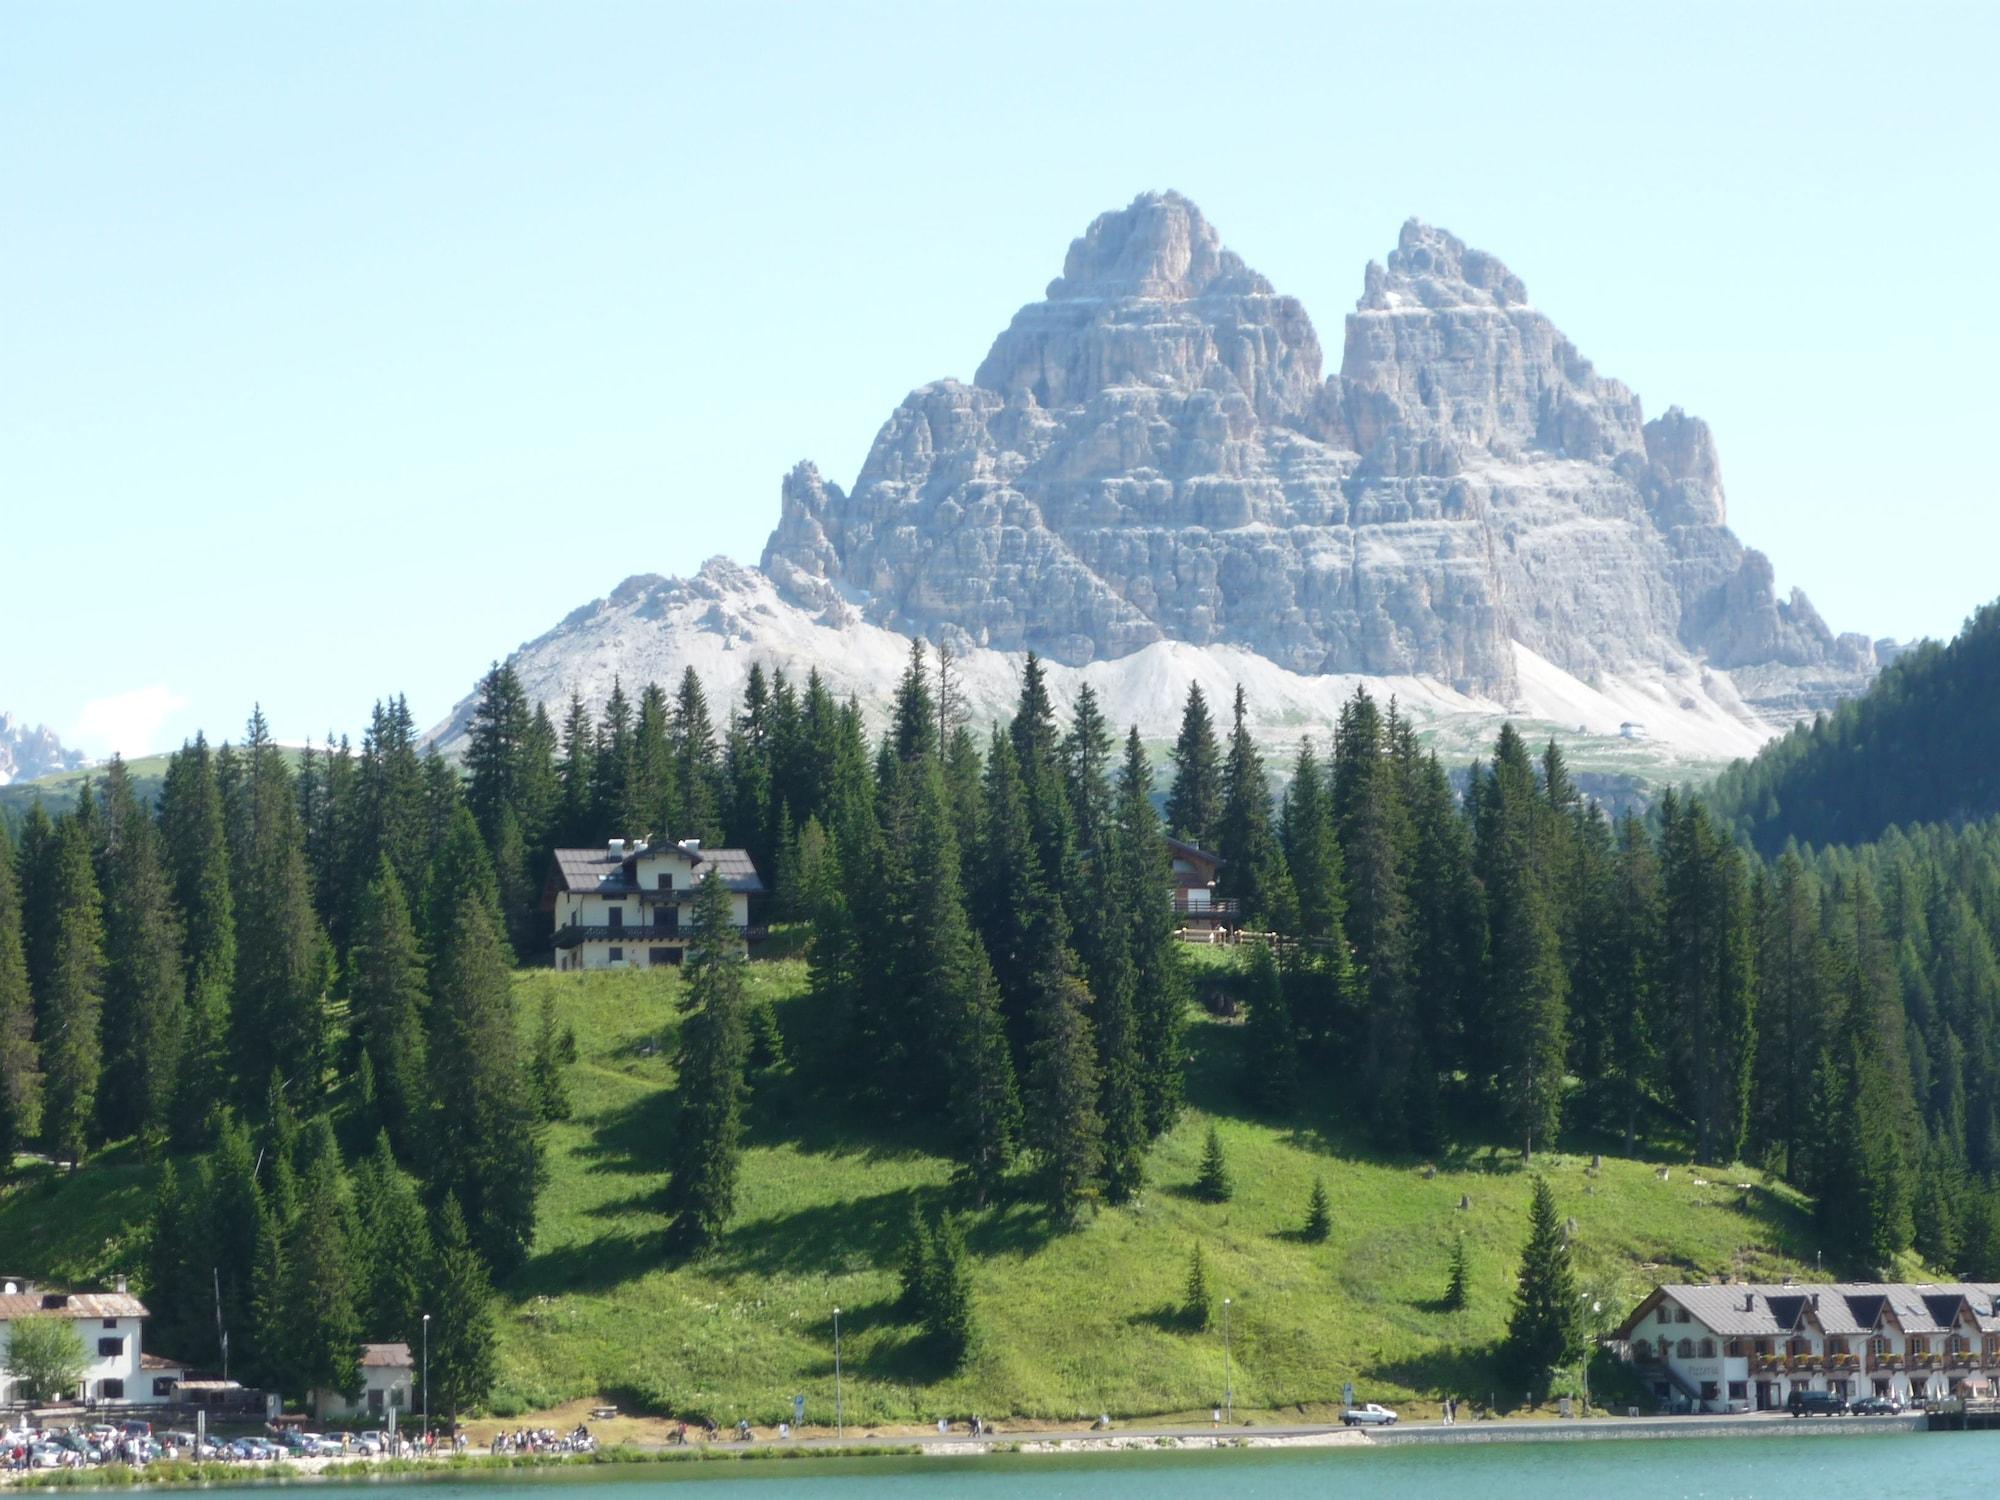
(1228, 1370)
(839, 1423)
(427, 1380)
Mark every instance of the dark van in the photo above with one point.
(1816, 1404)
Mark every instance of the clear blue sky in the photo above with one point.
(347, 346)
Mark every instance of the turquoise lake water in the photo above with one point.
(1818, 1468)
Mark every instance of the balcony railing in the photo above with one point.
(1226, 908)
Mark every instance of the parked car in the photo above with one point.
(1876, 1406)
(1369, 1415)
(368, 1444)
(1817, 1404)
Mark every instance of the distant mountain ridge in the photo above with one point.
(27, 752)
(1151, 456)
(1916, 748)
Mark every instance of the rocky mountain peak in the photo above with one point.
(1159, 247)
(1432, 268)
(28, 751)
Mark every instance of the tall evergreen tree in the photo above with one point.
(696, 761)
(386, 1000)
(1144, 884)
(393, 1255)
(72, 1000)
(322, 1330)
(1707, 968)
(284, 968)
(1062, 1094)
(20, 1058)
(485, 1131)
(950, 1319)
(1271, 1054)
(707, 1140)
(145, 987)
(1194, 806)
(464, 1362)
(1545, 1332)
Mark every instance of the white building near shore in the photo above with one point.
(1736, 1347)
(109, 1326)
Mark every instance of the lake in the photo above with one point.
(1824, 1468)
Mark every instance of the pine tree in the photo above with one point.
(322, 1331)
(1319, 1214)
(1707, 976)
(485, 1132)
(1212, 1181)
(1457, 1289)
(463, 1339)
(914, 1278)
(1063, 1123)
(72, 999)
(1197, 1304)
(20, 1058)
(270, 1359)
(767, 1038)
(1194, 806)
(386, 1001)
(1253, 867)
(695, 760)
(575, 815)
(701, 1185)
(1144, 885)
(1271, 1053)
(284, 966)
(233, 1226)
(950, 1319)
(393, 1254)
(145, 985)
(1545, 1333)
(495, 748)
(545, 1065)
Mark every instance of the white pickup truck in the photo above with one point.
(1370, 1415)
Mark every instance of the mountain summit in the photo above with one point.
(1153, 455)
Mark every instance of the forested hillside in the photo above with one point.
(284, 996)
(1917, 747)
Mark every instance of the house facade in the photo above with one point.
(388, 1378)
(630, 905)
(1198, 911)
(1737, 1347)
(108, 1324)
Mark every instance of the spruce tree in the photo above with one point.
(145, 985)
(1457, 1288)
(1062, 1093)
(950, 1319)
(393, 1254)
(545, 1065)
(1545, 1332)
(387, 1001)
(72, 999)
(20, 1058)
(463, 1339)
(269, 1358)
(1319, 1214)
(485, 1131)
(1194, 806)
(1271, 1053)
(233, 1226)
(696, 762)
(1253, 867)
(914, 1276)
(284, 966)
(707, 1140)
(322, 1331)
(1197, 1305)
(1212, 1181)
(1144, 884)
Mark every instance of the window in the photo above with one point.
(618, 955)
(1878, 1346)
(614, 916)
(1763, 1346)
(1666, 1314)
(1739, 1390)
(1686, 1349)
(1799, 1347)
(1708, 1348)
(1642, 1351)
(111, 1348)
(657, 956)
(1919, 1346)
(1680, 1315)
(375, 1399)
(163, 1387)
(111, 1390)
(110, 1322)
(1734, 1348)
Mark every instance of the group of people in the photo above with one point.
(542, 1440)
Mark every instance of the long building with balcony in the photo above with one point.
(630, 905)
(1736, 1347)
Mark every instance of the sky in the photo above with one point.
(345, 347)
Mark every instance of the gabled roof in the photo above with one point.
(600, 872)
(385, 1357)
(1195, 852)
(161, 1362)
(1844, 1308)
(71, 1305)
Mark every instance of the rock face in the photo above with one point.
(26, 753)
(1152, 453)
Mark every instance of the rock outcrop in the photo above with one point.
(27, 752)
(1151, 453)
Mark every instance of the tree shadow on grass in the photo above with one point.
(594, 1265)
(1471, 1373)
(824, 1237)
(632, 1138)
(1168, 1317)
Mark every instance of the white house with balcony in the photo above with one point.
(630, 905)
(109, 1326)
(1738, 1347)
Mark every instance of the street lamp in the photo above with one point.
(1228, 1370)
(839, 1425)
(427, 1380)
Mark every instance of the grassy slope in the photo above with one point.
(1073, 1323)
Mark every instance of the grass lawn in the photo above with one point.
(1071, 1323)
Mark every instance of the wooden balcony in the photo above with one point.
(1225, 910)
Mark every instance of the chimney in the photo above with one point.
(615, 848)
(1749, 1301)
(693, 846)
(120, 1284)
(1815, 1301)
